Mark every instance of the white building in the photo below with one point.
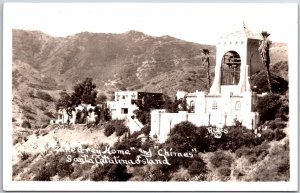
(124, 105)
(63, 117)
(230, 96)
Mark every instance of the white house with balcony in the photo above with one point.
(124, 105)
(230, 97)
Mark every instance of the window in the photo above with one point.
(60, 116)
(238, 106)
(124, 111)
(214, 105)
(192, 106)
(123, 97)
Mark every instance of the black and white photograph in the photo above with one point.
(200, 95)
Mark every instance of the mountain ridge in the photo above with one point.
(131, 60)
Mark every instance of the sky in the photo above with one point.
(195, 22)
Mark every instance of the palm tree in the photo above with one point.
(205, 62)
(264, 52)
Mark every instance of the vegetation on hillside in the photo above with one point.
(136, 61)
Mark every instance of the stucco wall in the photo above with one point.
(164, 122)
(253, 57)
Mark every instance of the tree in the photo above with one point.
(84, 92)
(264, 52)
(101, 99)
(268, 106)
(65, 102)
(205, 62)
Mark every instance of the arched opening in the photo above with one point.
(238, 106)
(192, 106)
(230, 68)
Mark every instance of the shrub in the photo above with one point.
(183, 137)
(161, 173)
(99, 173)
(44, 96)
(121, 129)
(49, 114)
(24, 156)
(27, 116)
(80, 117)
(268, 106)
(197, 167)
(224, 171)
(31, 94)
(27, 109)
(255, 153)
(26, 124)
(146, 129)
(278, 123)
(118, 173)
(109, 130)
(259, 83)
(236, 138)
(64, 168)
(219, 159)
(242, 151)
(271, 135)
(43, 175)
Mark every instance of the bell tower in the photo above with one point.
(237, 58)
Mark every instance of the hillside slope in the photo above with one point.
(131, 60)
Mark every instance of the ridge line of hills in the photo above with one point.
(130, 60)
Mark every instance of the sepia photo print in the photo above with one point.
(141, 92)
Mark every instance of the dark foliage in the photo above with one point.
(268, 106)
(257, 153)
(109, 130)
(44, 96)
(221, 159)
(174, 107)
(84, 92)
(49, 114)
(271, 135)
(143, 116)
(26, 124)
(64, 168)
(277, 123)
(43, 175)
(99, 173)
(224, 171)
(110, 173)
(101, 99)
(118, 173)
(259, 83)
(29, 117)
(24, 156)
(121, 129)
(146, 104)
(146, 130)
(197, 167)
(65, 102)
(27, 109)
